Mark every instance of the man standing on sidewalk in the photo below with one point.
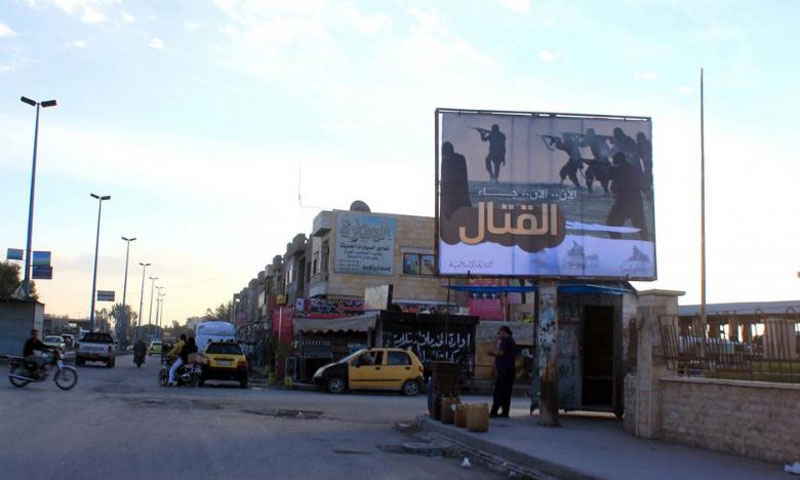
(504, 357)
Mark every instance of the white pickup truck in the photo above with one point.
(96, 347)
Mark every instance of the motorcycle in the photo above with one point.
(21, 373)
(188, 375)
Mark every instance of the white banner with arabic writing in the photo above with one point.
(364, 244)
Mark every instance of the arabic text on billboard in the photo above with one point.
(546, 195)
(364, 244)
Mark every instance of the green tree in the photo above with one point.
(10, 280)
(128, 316)
(222, 312)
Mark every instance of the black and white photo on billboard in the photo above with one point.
(545, 195)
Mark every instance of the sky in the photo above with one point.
(221, 128)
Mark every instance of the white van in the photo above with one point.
(206, 332)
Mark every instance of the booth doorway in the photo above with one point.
(598, 357)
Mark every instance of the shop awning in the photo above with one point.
(573, 288)
(361, 323)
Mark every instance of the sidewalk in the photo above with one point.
(594, 446)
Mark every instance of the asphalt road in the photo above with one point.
(119, 424)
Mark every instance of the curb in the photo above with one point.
(463, 437)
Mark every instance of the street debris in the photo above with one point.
(793, 468)
(465, 463)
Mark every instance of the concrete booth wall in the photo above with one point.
(17, 319)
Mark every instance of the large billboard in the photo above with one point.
(364, 244)
(540, 194)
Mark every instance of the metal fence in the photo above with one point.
(755, 346)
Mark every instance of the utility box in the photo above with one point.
(17, 319)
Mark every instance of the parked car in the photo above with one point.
(225, 361)
(373, 369)
(155, 348)
(96, 347)
(55, 341)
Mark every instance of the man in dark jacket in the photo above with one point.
(33, 345)
(504, 358)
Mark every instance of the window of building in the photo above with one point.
(398, 358)
(418, 264)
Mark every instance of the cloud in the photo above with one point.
(6, 31)
(90, 10)
(156, 43)
(191, 25)
(78, 44)
(686, 90)
(645, 75)
(128, 18)
(90, 15)
(548, 22)
(366, 24)
(519, 6)
(547, 56)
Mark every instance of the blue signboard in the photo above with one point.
(14, 254)
(42, 273)
(41, 259)
(105, 295)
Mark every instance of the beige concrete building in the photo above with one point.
(355, 249)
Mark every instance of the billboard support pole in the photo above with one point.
(548, 351)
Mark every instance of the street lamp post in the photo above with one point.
(96, 249)
(141, 301)
(152, 289)
(161, 313)
(158, 306)
(45, 104)
(125, 318)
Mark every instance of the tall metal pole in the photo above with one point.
(702, 214)
(27, 280)
(158, 306)
(96, 250)
(161, 315)
(125, 318)
(28, 245)
(141, 298)
(152, 289)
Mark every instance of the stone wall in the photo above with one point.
(754, 419)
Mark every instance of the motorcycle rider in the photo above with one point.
(177, 350)
(32, 345)
(139, 351)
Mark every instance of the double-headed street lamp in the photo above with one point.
(96, 248)
(27, 276)
(141, 301)
(125, 318)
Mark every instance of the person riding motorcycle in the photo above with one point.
(139, 351)
(176, 352)
(32, 345)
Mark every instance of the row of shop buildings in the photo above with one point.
(311, 299)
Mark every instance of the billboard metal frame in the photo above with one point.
(437, 146)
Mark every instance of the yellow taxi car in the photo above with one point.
(373, 369)
(224, 361)
(155, 348)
